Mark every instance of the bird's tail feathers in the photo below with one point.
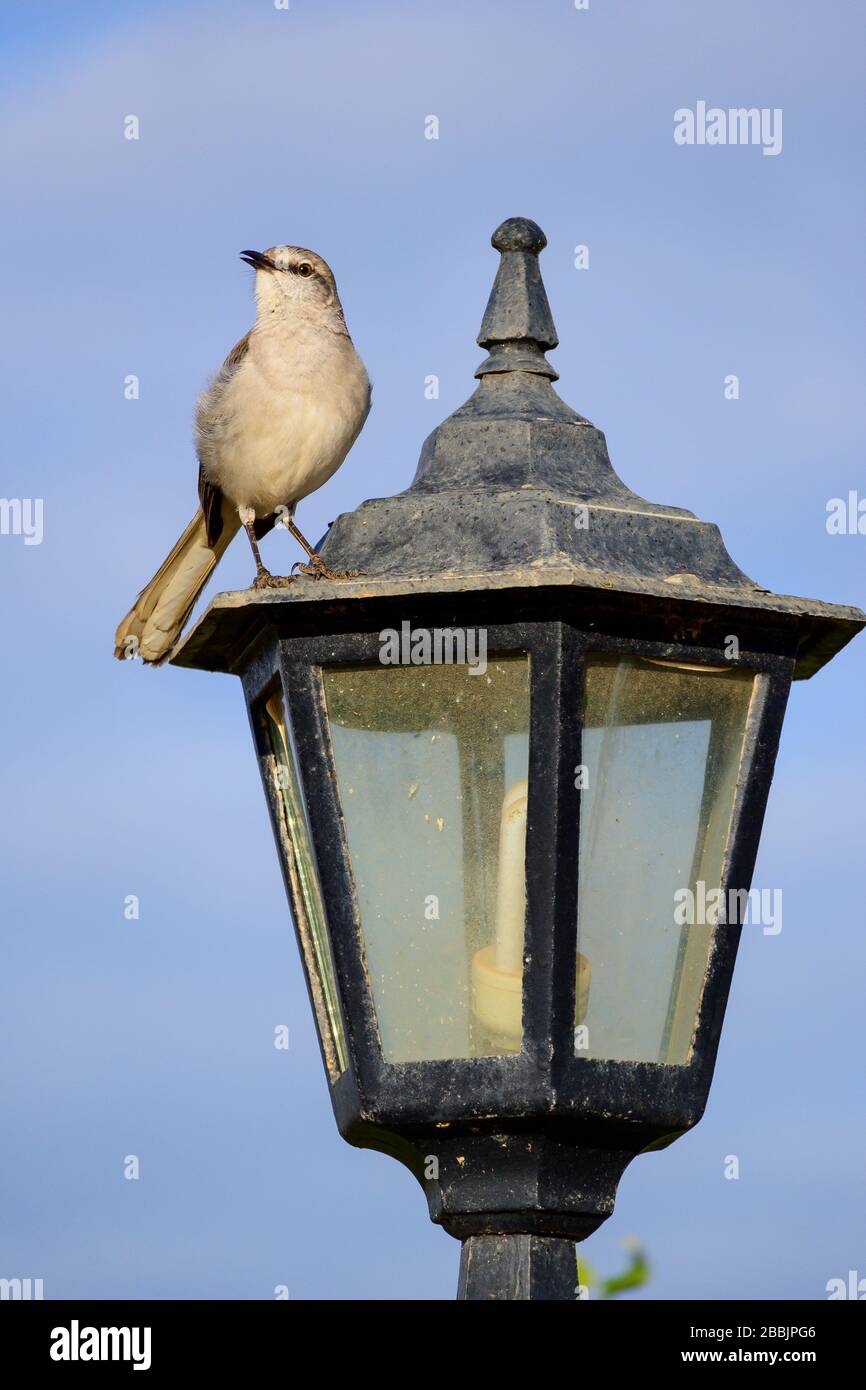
(154, 623)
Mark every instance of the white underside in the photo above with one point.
(283, 422)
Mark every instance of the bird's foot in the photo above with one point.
(265, 580)
(317, 569)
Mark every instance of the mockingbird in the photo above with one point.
(275, 423)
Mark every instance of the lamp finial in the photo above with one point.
(518, 326)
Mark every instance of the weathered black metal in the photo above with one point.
(516, 1268)
(529, 1147)
(536, 1142)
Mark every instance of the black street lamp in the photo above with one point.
(504, 764)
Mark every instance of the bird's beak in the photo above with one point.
(257, 260)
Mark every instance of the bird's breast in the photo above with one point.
(284, 422)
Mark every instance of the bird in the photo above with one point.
(275, 423)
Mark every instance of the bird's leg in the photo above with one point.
(264, 579)
(317, 569)
(248, 517)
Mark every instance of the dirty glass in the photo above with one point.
(432, 766)
(662, 753)
(298, 851)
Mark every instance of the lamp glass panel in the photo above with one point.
(662, 753)
(432, 765)
(294, 833)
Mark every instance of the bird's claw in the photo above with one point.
(265, 580)
(317, 569)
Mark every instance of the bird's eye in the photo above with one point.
(305, 269)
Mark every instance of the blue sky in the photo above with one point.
(155, 1037)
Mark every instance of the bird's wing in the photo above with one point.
(211, 499)
(237, 354)
(210, 496)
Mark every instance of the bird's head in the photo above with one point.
(293, 282)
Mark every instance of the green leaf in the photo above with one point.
(634, 1276)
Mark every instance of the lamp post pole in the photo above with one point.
(518, 1267)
